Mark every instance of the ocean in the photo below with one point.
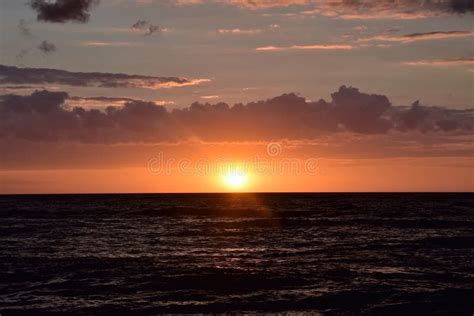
(323, 253)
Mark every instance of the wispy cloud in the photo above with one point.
(441, 62)
(249, 31)
(40, 76)
(417, 37)
(105, 44)
(104, 102)
(249, 4)
(388, 15)
(306, 47)
(356, 9)
(388, 9)
(238, 31)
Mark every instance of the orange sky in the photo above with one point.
(333, 95)
(387, 175)
(203, 168)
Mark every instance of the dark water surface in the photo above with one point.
(204, 253)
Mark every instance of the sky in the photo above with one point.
(236, 95)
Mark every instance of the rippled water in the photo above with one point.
(348, 253)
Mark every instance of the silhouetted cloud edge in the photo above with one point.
(44, 116)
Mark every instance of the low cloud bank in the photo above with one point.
(52, 116)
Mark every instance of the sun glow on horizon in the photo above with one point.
(235, 179)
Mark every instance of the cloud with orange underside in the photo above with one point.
(356, 9)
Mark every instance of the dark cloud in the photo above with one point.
(47, 47)
(152, 29)
(361, 112)
(19, 87)
(26, 76)
(140, 24)
(461, 6)
(400, 9)
(417, 35)
(61, 11)
(52, 116)
(454, 6)
(413, 37)
(146, 27)
(426, 119)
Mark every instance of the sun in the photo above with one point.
(235, 179)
